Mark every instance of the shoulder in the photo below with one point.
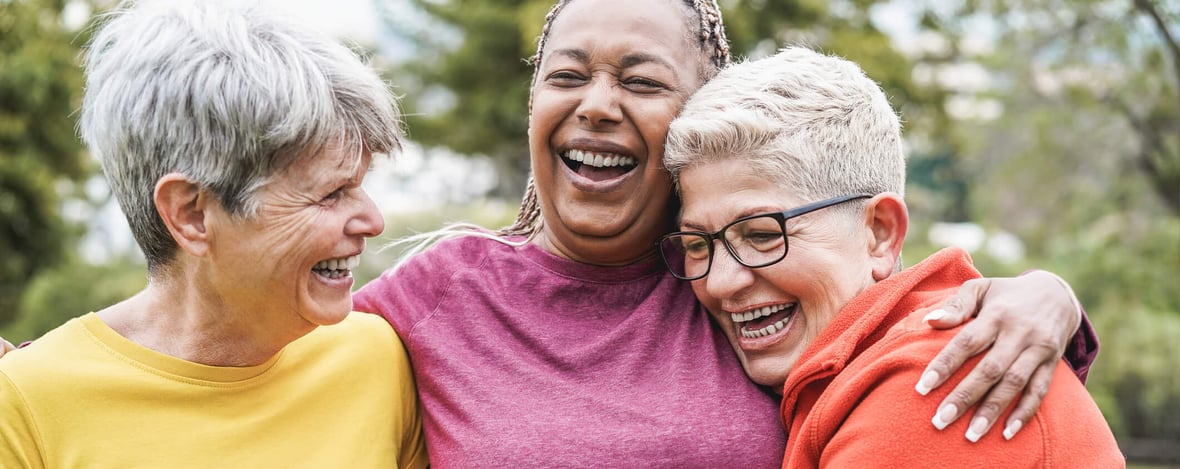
(877, 397)
(58, 349)
(437, 263)
(359, 332)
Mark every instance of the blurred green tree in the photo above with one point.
(1073, 143)
(40, 156)
(72, 289)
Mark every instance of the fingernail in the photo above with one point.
(935, 315)
(1012, 428)
(944, 416)
(927, 382)
(975, 431)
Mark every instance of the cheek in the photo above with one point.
(545, 114)
(658, 116)
(702, 293)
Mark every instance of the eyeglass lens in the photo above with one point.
(755, 242)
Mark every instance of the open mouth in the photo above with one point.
(336, 268)
(598, 166)
(764, 321)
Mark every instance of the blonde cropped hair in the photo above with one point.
(812, 121)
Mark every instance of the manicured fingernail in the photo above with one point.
(1012, 428)
(927, 382)
(935, 315)
(944, 416)
(975, 431)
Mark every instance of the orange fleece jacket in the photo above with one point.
(850, 400)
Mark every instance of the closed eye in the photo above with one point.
(333, 196)
(642, 85)
(565, 78)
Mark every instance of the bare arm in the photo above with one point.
(1028, 322)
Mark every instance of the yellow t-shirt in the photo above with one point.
(83, 396)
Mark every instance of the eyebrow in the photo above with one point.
(629, 60)
(742, 214)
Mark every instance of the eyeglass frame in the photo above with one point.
(780, 217)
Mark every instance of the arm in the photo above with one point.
(1029, 323)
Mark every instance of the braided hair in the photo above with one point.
(709, 32)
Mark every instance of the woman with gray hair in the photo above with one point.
(236, 144)
(791, 173)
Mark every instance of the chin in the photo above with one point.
(326, 315)
(773, 377)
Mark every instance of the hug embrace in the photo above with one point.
(573, 337)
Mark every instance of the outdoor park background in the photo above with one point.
(1040, 133)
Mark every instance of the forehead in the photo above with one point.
(716, 192)
(332, 165)
(654, 26)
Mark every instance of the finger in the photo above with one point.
(968, 342)
(1030, 401)
(960, 307)
(1001, 395)
(986, 373)
(5, 347)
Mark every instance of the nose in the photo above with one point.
(368, 221)
(727, 277)
(600, 103)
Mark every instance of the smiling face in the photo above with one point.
(295, 255)
(771, 314)
(613, 76)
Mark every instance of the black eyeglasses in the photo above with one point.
(754, 241)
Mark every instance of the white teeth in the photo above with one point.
(338, 265)
(757, 313)
(600, 160)
(765, 331)
(740, 318)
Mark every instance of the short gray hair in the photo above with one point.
(800, 117)
(228, 94)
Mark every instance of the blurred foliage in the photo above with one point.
(73, 289)
(382, 253)
(40, 86)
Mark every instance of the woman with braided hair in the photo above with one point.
(562, 341)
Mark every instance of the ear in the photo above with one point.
(888, 220)
(182, 205)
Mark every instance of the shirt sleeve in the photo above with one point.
(1083, 349)
(18, 443)
(412, 447)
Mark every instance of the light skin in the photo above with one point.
(240, 289)
(831, 258)
(615, 94)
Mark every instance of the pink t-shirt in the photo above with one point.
(526, 359)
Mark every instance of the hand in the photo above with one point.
(1028, 322)
(5, 346)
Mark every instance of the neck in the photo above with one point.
(597, 251)
(173, 319)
